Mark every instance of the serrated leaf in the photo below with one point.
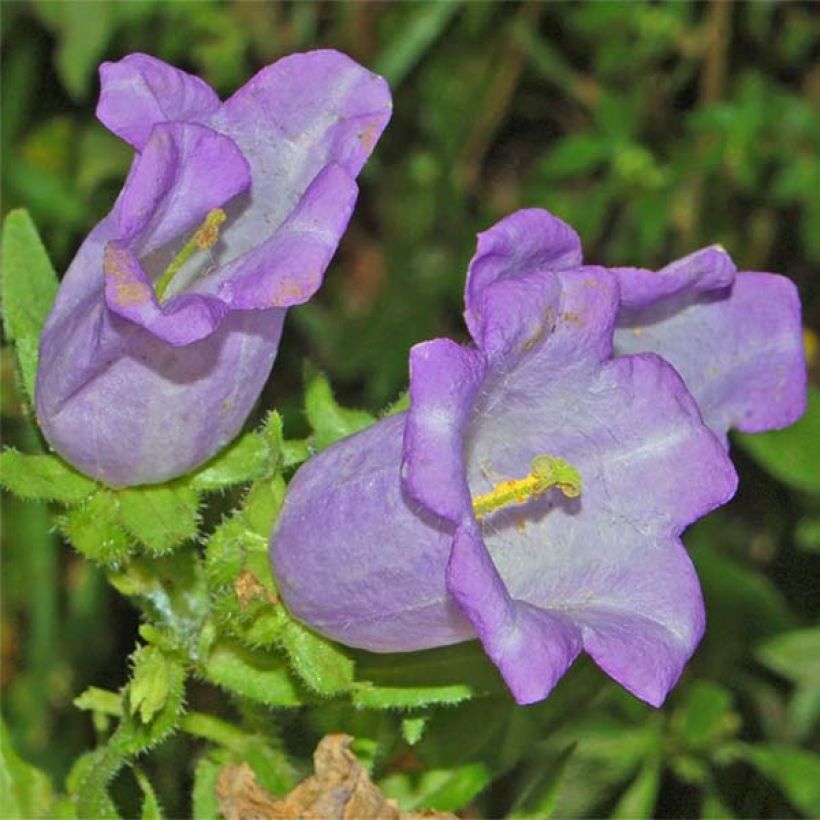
(791, 455)
(795, 654)
(44, 477)
(93, 528)
(150, 685)
(330, 421)
(29, 285)
(796, 772)
(24, 790)
(408, 697)
(160, 517)
(155, 706)
(262, 505)
(261, 676)
(245, 459)
(322, 665)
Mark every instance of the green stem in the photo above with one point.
(213, 729)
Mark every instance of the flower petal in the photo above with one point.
(358, 559)
(287, 268)
(739, 352)
(526, 242)
(531, 648)
(443, 380)
(140, 91)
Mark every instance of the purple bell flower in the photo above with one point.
(168, 320)
(535, 492)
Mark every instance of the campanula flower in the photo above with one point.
(533, 495)
(168, 320)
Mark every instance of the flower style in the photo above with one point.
(535, 491)
(168, 320)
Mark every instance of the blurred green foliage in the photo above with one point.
(654, 128)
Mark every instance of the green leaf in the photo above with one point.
(408, 697)
(413, 39)
(329, 421)
(321, 664)
(791, 455)
(160, 517)
(94, 529)
(575, 154)
(794, 655)
(43, 477)
(150, 805)
(796, 772)
(639, 800)
(441, 789)
(245, 459)
(807, 534)
(261, 676)
(537, 795)
(150, 686)
(705, 717)
(25, 791)
(29, 285)
(204, 798)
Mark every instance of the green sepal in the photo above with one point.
(329, 421)
(321, 664)
(262, 505)
(45, 477)
(247, 458)
(29, 285)
(149, 689)
(160, 517)
(412, 728)
(263, 677)
(94, 529)
(205, 802)
(368, 696)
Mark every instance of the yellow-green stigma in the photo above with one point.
(205, 237)
(546, 472)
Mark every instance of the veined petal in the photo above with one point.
(740, 352)
(140, 91)
(443, 380)
(526, 242)
(184, 171)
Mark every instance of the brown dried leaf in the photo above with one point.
(340, 790)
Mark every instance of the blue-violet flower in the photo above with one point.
(168, 320)
(535, 491)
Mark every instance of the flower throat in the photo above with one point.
(205, 237)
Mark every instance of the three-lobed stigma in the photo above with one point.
(545, 473)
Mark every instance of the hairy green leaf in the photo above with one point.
(330, 421)
(160, 517)
(261, 676)
(321, 664)
(29, 285)
(43, 477)
(94, 529)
